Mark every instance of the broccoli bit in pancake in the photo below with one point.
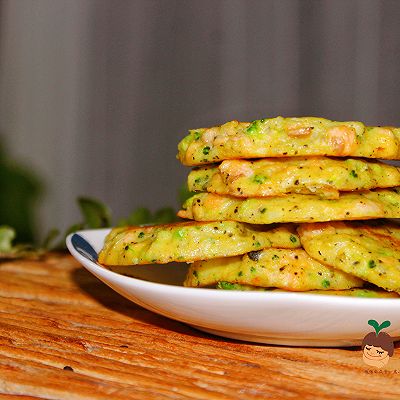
(322, 176)
(289, 269)
(370, 250)
(191, 241)
(237, 286)
(293, 208)
(280, 137)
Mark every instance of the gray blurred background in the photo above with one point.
(96, 94)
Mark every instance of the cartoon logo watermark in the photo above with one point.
(377, 346)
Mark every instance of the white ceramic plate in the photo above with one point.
(293, 319)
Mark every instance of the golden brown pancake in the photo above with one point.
(288, 137)
(380, 203)
(268, 177)
(370, 251)
(289, 269)
(191, 241)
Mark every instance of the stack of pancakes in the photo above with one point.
(297, 204)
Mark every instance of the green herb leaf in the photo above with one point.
(19, 190)
(49, 239)
(9, 250)
(184, 193)
(95, 213)
(73, 228)
(7, 235)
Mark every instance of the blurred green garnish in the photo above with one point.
(20, 188)
(7, 235)
(95, 214)
(9, 250)
(184, 193)
(18, 193)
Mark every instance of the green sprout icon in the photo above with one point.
(377, 346)
(377, 327)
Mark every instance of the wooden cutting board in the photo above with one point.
(65, 335)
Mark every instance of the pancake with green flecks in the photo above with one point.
(368, 250)
(191, 241)
(380, 203)
(288, 137)
(289, 269)
(322, 176)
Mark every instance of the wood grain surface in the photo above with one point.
(65, 335)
